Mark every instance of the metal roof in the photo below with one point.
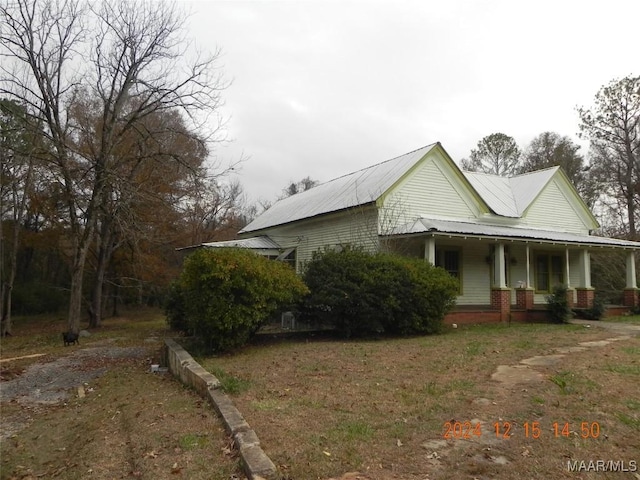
(527, 187)
(254, 243)
(357, 188)
(510, 197)
(495, 191)
(507, 197)
(444, 227)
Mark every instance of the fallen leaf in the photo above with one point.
(398, 443)
(175, 468)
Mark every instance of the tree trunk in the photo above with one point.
(7, 322)
(77, 277)
(2, 282)
(19, 206)
(105, 251)
(114, 304)
(631, 212)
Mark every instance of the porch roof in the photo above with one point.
(451, 227)
(262, 243)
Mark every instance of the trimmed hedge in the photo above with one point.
(364, 294)
(223, 296)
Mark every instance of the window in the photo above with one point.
(450, 260)
(548, 272)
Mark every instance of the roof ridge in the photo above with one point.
(360, 187)
(512, 176)
(484, 173)
(536, 171)
(431, 145)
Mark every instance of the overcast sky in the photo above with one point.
(325, 88)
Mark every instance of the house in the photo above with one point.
(508, 241)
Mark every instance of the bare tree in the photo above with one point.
(132, 57)
(297, 187)
(497, 154)
(613, 129)
(16, 180)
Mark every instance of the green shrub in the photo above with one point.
(364, 294)
(228, 294)
(558, 306)
(175, 309)
(434, 295)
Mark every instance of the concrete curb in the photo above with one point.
(256, 464)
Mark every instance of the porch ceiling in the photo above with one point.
(451, 227)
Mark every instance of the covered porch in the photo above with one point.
(506, 272)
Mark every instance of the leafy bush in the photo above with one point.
(228, 294)
(175, 309)
(557, 305)
(365, 294)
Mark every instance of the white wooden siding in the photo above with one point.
(355, 227)
(432, 189)
(554, 209)
(476, 281)
(476, 274)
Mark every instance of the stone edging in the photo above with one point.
(256, 464)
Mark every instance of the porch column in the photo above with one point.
(528, 279)
(631, 291)
(568, 277)
(585, 292)
(500, 293)
(524, 293)
(631, 270)
(430, 250)
(500, 280)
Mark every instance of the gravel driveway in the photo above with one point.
(54, 382)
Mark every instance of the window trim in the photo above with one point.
(549, 254)
(440, 251)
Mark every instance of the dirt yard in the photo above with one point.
(95, 410)
(489, 402)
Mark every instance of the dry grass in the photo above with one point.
(322, 408)
(130, 424)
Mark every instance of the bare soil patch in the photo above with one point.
(96, 411)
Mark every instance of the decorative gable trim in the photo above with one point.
(451, 172)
